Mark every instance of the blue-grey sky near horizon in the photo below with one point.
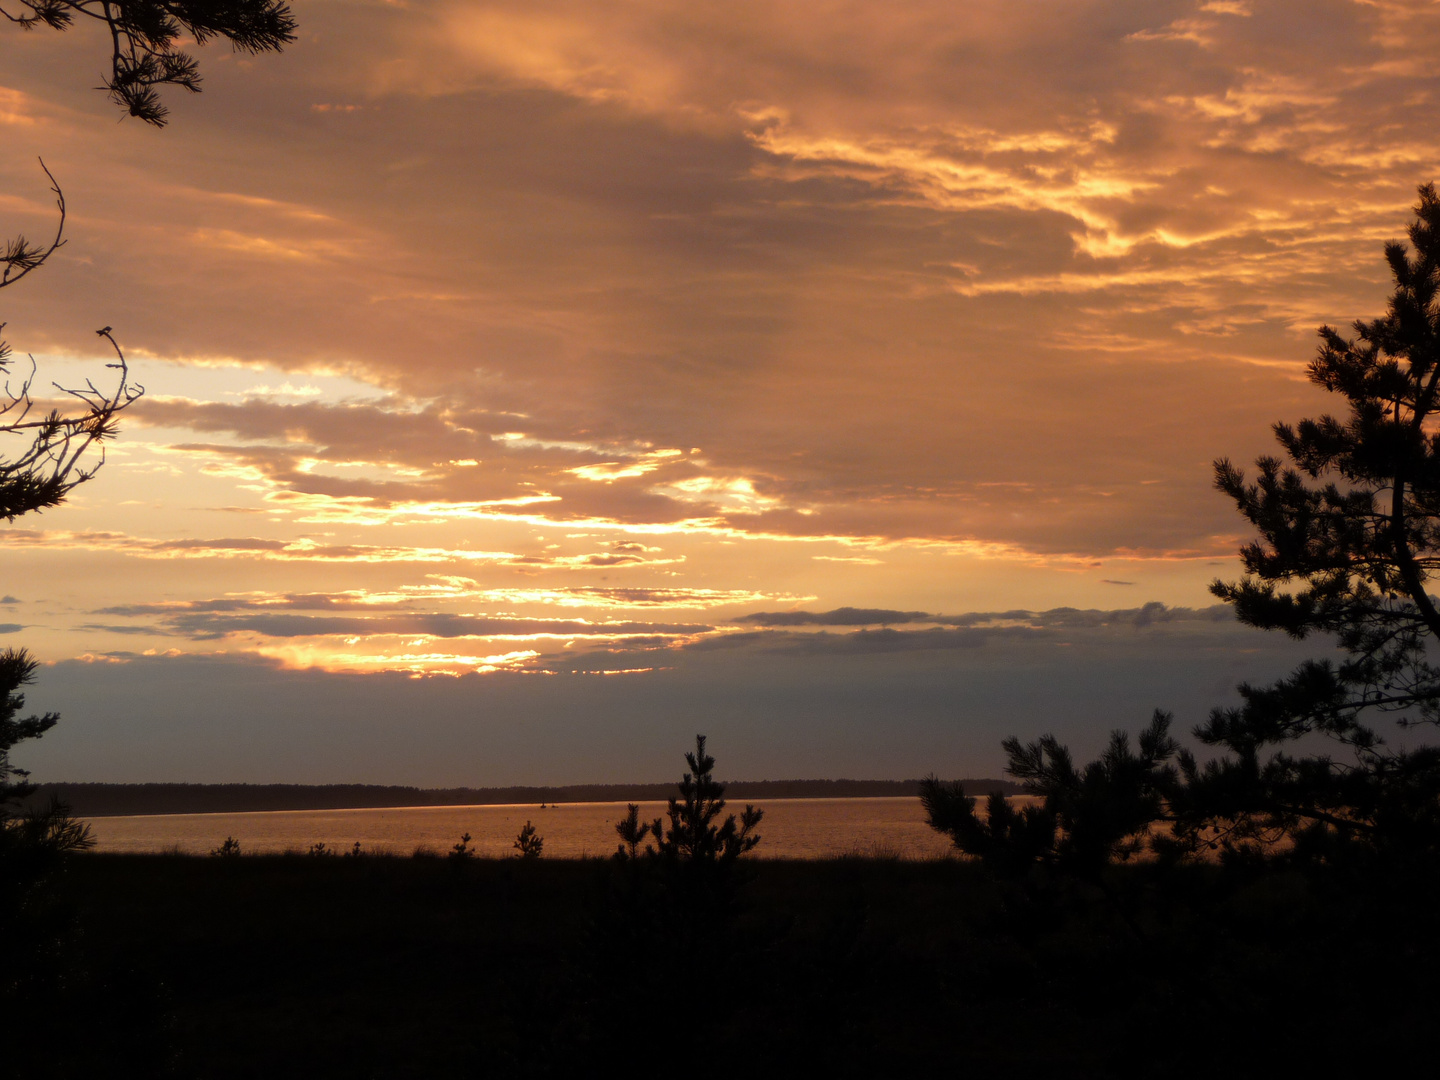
(775, 704)
(532, 384)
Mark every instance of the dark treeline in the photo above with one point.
(111, 800)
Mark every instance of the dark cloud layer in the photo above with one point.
(845, 616)
(277, 617)
(768, 712)
(1148, 614)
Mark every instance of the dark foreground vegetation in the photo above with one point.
(678, 954)
(394, 967)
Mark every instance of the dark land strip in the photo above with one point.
(114, 800)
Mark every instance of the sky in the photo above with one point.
(532, 385)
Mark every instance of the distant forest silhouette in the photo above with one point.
(113, 800)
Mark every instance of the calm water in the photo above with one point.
(792, 829)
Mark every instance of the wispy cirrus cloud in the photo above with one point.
(210, 625)
(306, 550)
(450, 589)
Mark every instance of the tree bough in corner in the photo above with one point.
(143, 36)
(36, 984)
(1349, 537)
(45, 471)
(1354, 519)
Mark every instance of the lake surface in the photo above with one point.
(792, 829)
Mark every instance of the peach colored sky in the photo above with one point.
(561, 338)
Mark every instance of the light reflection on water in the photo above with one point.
(792, 829)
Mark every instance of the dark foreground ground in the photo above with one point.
(389, 967)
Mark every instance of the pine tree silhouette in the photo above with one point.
(693, 835)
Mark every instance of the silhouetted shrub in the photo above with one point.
(528, 843)
(1089, 816)
(462, 850)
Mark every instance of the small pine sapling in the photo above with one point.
(462, 850)
(693, 836)
(230, 849)
(528, 843)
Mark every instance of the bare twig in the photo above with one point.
(20, 256)
(51, 466)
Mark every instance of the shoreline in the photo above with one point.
(94, 800)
